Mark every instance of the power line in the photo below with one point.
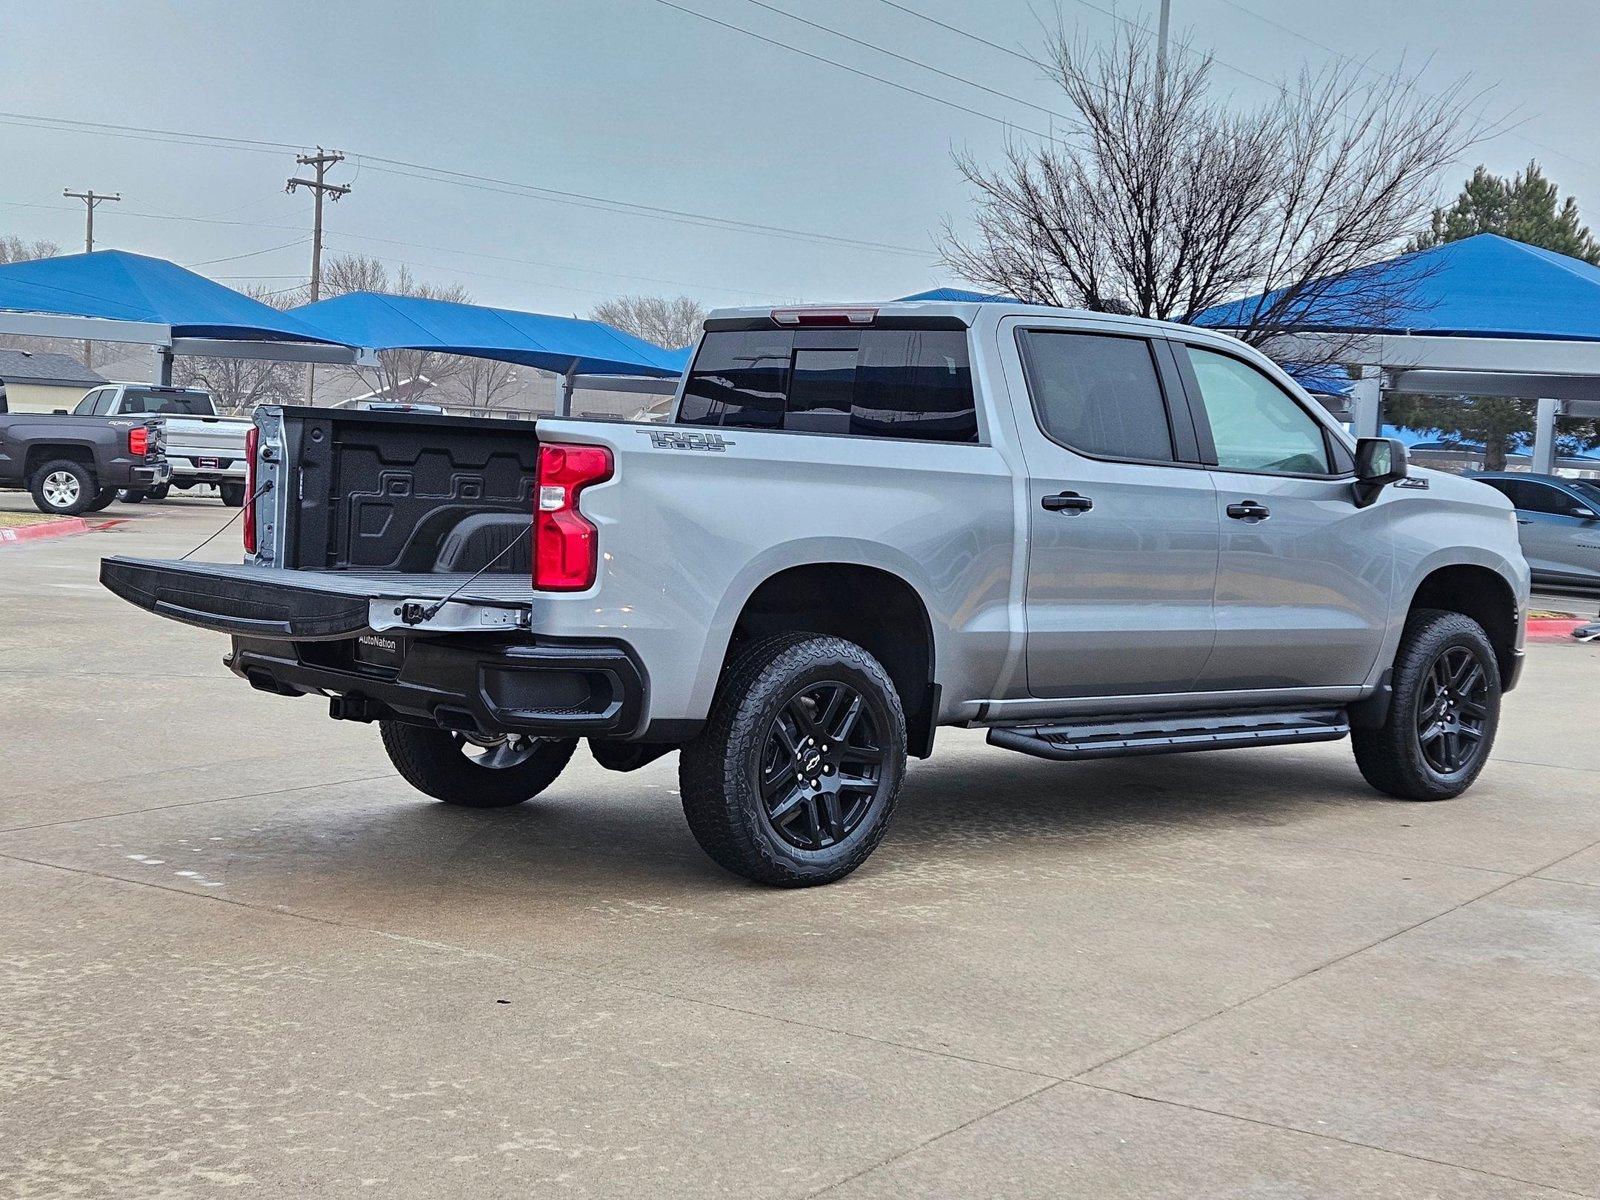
(1050, 112)
(782, 45)
(248, 254)
(461, 179)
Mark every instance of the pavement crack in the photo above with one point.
(1329, 1137)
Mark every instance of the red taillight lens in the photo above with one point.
(252, 442)
(138, 442)
(565, 546)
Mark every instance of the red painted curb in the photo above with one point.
(1549, 629)
(44, 529)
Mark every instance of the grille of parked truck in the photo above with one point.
(1091, 535)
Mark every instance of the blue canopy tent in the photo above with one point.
(115, 296)
(1485, 316)
(568, 346)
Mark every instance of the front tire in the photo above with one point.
(63, 488)
(1443, 713)
(474, 772)
(795, 777)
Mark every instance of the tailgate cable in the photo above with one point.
(413, 613)
(243, 508)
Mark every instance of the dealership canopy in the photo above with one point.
(1485, 316)
(115, 296)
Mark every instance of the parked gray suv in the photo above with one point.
(1558, 524)
(1087, 534)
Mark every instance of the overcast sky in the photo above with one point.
(632, 101)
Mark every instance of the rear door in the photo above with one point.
(1122, 554)
(1304, 578)
(1556, 537)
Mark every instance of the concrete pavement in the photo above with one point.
(238, 954)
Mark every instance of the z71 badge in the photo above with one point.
(675, 439)
(1415, 482)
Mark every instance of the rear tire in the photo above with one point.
(63, 488)
(232, 494)
(134, 495)
(160, 492)
(795, 777)
(102, 501)
(449, 767)
(1443, 713)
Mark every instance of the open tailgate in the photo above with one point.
(308, 606)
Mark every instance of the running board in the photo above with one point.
(1171, 733)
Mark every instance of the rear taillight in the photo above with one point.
(252, 442)
(138, 442)
(565, 546)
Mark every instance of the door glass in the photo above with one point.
(1255, 425)
(1542, 498)
(1098, 394)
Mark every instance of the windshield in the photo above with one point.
(175, 404)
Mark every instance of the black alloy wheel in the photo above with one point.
(1452, 710)
(822, 767)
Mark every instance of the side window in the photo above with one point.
(1542, 498)
(85, 407)
(1097, 393)
(891, 383)
(1256, 425)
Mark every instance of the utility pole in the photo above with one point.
(90, 199)
(319, 163)
(1161, 37)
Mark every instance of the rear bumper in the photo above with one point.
(542, 689)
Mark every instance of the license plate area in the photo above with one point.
(383, 650)
(208, 464)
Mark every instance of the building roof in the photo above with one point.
(62, 370)
(1483, 286)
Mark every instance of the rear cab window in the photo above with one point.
(902, 383)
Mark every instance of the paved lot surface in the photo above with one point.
(237, 954)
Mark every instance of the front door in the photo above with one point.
(1304, 579)
(1122, 530)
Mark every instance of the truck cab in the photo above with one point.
(203, 447)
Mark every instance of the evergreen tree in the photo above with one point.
(1526, 208)
(1523, 208)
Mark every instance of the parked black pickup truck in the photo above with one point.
(74, 464)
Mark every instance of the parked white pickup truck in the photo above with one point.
(201, 446)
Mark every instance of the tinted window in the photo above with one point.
(1255, 424)
(175, 404)
(1542, 498)
(874, 382)
(1098, 394)
(85, 407)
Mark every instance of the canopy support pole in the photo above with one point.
(163, 366)
(564, 402)
(1544, 437)
(1366, 401)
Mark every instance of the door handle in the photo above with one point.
(1067, 502)
(1249, 510)
(1524, 521)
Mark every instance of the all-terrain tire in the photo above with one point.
(63, 488)
(102, 501)
(435, 762)
(1392, 758)
(720, 772)
(133, 495)
(232, 494)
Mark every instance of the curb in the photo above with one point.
(1555, 630)
(43, 529)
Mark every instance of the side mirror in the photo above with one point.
(1380, 461)
(1584, 514)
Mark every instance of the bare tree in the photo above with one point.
(1169, 200)
(400, 374)
(15, 249)
(483, 384)
(667, 322)
(239, 384)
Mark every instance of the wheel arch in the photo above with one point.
(874, 607)
(40, 454)
(1481, 593)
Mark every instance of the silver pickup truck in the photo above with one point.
(1090, 535)
(203, 447)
